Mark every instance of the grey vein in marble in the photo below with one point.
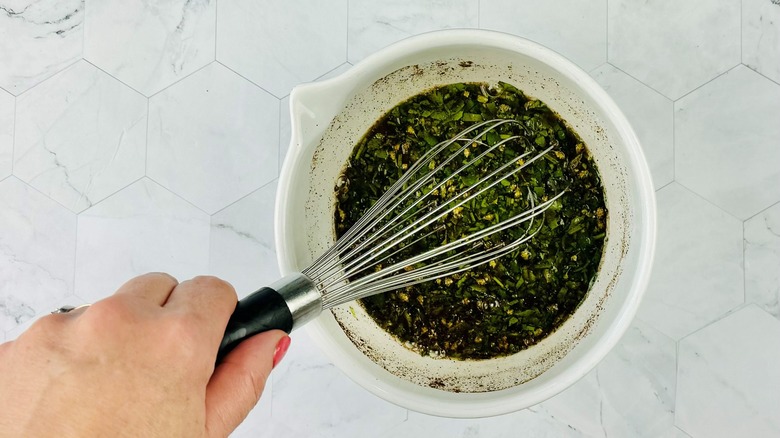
(80, 136)
(630, 393)
(36, 252)
(670, 46)
(728, 377)
(55, 303)
(150, 45)
(11, 308)
(762, 260)
(38, 39)
(698, 274)
(761, 37)
(242, 242)
(6, 133)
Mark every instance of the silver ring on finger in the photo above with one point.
(68, 309)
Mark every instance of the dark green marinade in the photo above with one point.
(508, 305)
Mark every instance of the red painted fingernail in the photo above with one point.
(281, 349)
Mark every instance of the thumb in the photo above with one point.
(237, 382)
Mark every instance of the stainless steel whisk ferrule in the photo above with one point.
(361, 264)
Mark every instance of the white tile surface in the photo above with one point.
(214, 128)
(373, 25)
(734, 116)
(242, 242)
(52, 304)
(80, 136)
(213, 138)
(697, 276)
(37, 243)
(530, 422)
(730, 368)
(278, 44)
(674, 432)
(674, 46)
(650, 114)
(38, 39)
(576, 29)
(630, 393)
(762, 260)
(334, 406)
(268, 428)
(150, 45)
(761, 37)
(6, 133)
(143, 228)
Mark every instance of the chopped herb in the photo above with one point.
(512, 303)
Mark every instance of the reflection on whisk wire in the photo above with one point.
(354, 267)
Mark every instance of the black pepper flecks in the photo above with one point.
(512, 303)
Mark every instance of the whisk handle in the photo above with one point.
(285, 305)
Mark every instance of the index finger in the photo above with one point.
(208, 299)
(154, 287)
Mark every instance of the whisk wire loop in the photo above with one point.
(364, 224)
(408, 212)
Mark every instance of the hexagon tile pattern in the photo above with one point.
(150, 45)
(373, 26)
(573, 28)
(306, 369)
(762, 259)
(313, 34)
(634, 385)
(80, 136)
(698, 273)
(142, 228)
(246, 228)
(706, 130)
(37, 244)
(728, 379)
(674, 46)
(6, 133)
(38, 39)
(202, 80)
(650, 114)
(201, 148)
(761, 36)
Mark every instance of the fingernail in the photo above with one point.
(281, 349)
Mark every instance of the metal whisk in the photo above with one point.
(405, 214)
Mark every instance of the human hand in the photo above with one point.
(138, 363)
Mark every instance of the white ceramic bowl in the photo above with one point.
(329, 117)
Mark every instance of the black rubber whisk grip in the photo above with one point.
(285, 305)
(260, 311)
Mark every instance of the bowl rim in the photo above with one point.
(477, 404)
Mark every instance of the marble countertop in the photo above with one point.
(147, 136)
